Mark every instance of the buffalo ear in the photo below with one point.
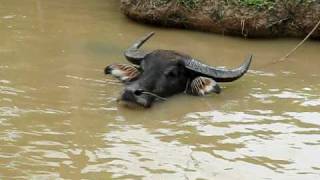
(201, 86)
(123, 72)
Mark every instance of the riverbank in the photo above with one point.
(248, 18)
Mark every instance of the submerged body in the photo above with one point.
(163, 73)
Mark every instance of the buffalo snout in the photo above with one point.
(134, 94)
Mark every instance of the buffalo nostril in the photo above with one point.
(138, 92)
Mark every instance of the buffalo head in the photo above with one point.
(162, 73)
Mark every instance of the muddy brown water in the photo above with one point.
(59, 117)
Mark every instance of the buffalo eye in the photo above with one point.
(171, 74)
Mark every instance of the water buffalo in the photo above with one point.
(162, 73)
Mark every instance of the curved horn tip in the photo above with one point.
(250, 57)
(245, 66)
(248, 60)
(141, 41)
(149, 35)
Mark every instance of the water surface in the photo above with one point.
(59, 117)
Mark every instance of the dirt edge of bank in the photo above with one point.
(287, 18)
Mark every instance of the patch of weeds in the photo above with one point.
(191, 4)
(305, 1)
(269, 4)
(157, 3)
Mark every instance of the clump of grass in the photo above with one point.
(270, 4)
(189, 3)
(258, 3)
(157, 3)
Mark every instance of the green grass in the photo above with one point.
(260, 4)
(269, 4)
(189, 3)
(257, 3)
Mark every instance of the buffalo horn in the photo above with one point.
(218, 74)
(133, 53)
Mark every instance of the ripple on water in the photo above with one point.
(135, 151)
(6, 90)
(267, 148)
(30, 154)
(143, 154)
(8, 17)
(313, 102)
(304, 97)
(16, 111)
(265, 140)
(262, 73)
(306, 117)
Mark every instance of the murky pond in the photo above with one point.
(59, 117)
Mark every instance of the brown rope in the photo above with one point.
(284, 58)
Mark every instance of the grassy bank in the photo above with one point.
(250, 18)
(268, 4)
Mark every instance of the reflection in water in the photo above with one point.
(59, 115)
